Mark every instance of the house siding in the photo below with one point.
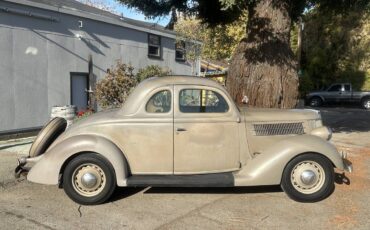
(38, 55)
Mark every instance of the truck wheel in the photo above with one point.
(366, 103)
(89, 179)
(315, 102)
(308, 178)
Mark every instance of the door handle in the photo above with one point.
(180, 129)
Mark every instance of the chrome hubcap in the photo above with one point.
(88, 180)
(314, 102)
(367, 104)
(308, 177)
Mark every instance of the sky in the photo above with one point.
(131, 13)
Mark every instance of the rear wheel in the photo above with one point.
(308, 178)
(89, 179)
(315, 102)
(366, 103)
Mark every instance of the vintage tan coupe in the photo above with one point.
(186, 131)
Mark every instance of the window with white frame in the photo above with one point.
(154, 46)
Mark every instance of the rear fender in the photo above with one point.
(267, 168)
(49, 166)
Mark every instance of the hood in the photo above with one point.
(254, 114)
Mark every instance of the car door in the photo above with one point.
(206, 136)
(333, 94)
(148, 137)
(346, 93)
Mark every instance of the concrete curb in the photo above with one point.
(16, 142)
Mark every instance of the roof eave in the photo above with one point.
(96, 17)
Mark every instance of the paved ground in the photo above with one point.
(24, 205)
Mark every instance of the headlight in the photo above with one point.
(323, 132)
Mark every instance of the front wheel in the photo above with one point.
(315, 102)
(366, 103)
(89, 179)
(308, 178)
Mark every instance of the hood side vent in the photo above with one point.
(278, 129)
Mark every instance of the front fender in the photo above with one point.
(48, 168)
(267, 168)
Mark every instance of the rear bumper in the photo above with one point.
(347, 165)
(21, 168)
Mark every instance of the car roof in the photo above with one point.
(146, 86)
(180, 80)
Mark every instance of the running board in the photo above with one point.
(203, 180)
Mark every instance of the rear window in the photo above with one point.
(159, 102)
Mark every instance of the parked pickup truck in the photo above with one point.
(339, 92)
(186, 131)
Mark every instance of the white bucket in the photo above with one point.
(67, 112)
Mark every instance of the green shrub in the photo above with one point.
(152, 71)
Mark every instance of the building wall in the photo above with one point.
(38, 55)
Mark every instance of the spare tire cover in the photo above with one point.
(47, 135)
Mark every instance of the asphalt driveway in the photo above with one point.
(24, 205)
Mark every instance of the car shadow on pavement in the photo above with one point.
(215, 190)
(125, 192)
(346, 120)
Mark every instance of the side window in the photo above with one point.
(347, 88)
(159, 102)
(202, 101)
(335, 88)
(154, 45)
(180, 51)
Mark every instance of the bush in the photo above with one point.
(152, 71)
(113, 90)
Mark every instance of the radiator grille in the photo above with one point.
(278, 129)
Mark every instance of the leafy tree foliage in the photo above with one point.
(336, 48)
(227, 11)
(218, 42)
(263, 66)
(101, 4)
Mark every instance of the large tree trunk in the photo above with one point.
(263, 66)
